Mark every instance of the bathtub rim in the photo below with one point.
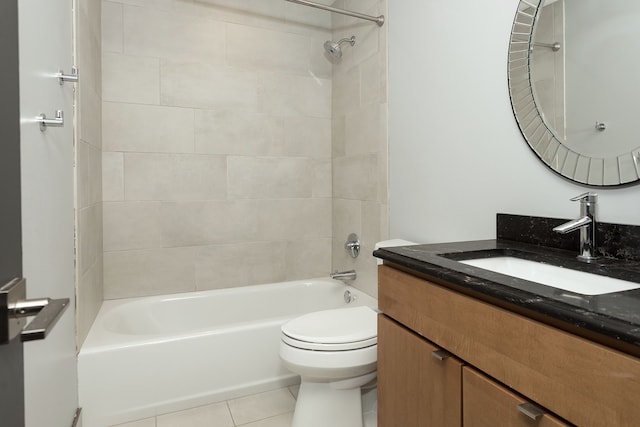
(105, 339)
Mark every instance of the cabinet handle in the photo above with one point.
(440, 354)
(530, 410)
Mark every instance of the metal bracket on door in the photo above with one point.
(44, 122)
(73, 77)
(14, 308)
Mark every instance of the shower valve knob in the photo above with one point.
(352, 245)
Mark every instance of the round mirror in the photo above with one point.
(573, 66)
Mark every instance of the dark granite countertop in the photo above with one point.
(612, 319)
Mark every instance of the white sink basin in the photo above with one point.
(550, 275)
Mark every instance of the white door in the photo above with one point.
(45, 46)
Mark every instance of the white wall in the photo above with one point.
(456, 155)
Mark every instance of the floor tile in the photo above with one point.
(270, 409)
(283, 420)
(147, 422)
(204, 416)
(260, 406)
(370, 419)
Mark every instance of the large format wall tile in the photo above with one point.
(112, 27)
(112, 176)
(240, 264)
(152, 32)
(218, 121)
(356, 177)
(294, 219)
(95, 175)
(253, 48)
(291, 95)
(308, 258)
(89, 297)
(87, 57)
(359, 145)
(174, 177)
(308, 137)
(197, 223)
(322, 181)
(82, 175)
(89, 242)
(131, 79)
(148, 272)
(270, 177)
(347, 218)
(88, 167)
(147, 128)
(207, 85)
(146, 225)
(346, 91)
(89, 116)
(131, 225)
(244, 133)
(363, 130)
(373, 80)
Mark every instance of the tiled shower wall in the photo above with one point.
(216, 141)
(88, 141)
(359, 149)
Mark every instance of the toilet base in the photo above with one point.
(335, 404)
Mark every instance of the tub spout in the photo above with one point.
(344, 275)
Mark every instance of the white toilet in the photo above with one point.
(335, 354)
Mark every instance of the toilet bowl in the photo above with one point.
(335, 354)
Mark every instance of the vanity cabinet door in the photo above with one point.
(415, 387)
(486, 403)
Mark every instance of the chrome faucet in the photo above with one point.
(344, 275)
(586, 224)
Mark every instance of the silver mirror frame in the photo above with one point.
(614, 171)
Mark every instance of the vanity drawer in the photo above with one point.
(418, 385)
(581, 381)
(488, 404)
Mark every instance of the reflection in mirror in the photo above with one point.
(571, 80)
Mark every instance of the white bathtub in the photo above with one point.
(153, 355)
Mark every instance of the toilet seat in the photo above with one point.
(340, 329)
(305, 345)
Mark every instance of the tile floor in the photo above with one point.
(269, 409)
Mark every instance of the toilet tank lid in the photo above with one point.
(335, 326)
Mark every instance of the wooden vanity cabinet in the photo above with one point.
(582, 382)
(418, 384)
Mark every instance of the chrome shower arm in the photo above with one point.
(351, 40)
(377, 19)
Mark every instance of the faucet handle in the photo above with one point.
(587, 197)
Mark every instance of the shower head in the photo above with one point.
(334, 49)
